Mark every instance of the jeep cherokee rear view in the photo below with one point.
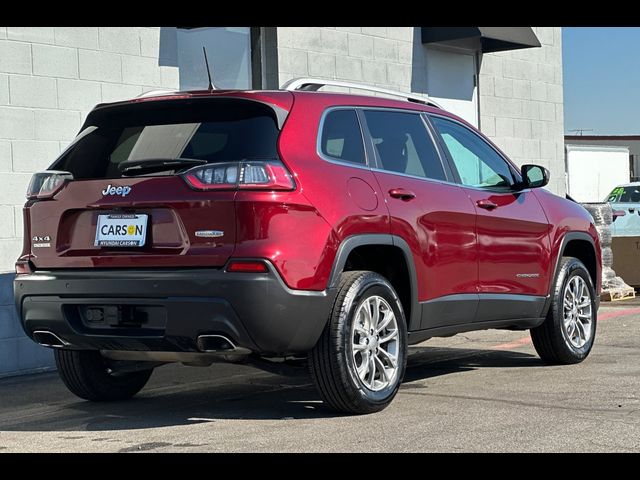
(204, 226)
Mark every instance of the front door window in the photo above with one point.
(477, 163)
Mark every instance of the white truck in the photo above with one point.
(593, 171)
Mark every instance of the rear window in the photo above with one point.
(629, 194)
(213, 131)
(341, 137)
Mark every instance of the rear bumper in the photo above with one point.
(256, 311)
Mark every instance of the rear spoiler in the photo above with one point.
(279, 113)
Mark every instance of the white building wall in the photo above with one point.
(382, 56)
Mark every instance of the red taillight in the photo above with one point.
(251, 175)
(271, 175)
(46, 184)
(23, 267)
(247, 266)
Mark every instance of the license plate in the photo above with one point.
(121, 230)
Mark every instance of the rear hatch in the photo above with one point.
(131, 204)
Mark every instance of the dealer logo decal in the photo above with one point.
(121, 229)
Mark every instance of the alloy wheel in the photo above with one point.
(375, 343)
(577, 312)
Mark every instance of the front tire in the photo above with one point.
(87, 375)
(360, 358)
(568, 332)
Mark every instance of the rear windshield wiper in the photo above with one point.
(157, 164)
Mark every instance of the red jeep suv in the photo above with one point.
(202, 226)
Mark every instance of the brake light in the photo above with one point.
(247, 266)
(46, 184)
(250, 175)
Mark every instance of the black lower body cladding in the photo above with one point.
(166, 310)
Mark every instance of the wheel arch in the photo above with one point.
(581, 246)
(351, 246)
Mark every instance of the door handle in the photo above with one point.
(402, 194)
(486, 204)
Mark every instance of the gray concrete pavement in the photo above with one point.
(482, 391)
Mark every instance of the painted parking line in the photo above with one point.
(515, 344)
(604, 316)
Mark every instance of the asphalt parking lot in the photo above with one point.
(482, 391)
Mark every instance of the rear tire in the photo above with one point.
(360, 358)
(86, 375)
(568, 332)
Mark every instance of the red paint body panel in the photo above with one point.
(439, 226)
(329, 187)
(175, 212)
(456, 247)
(564, 217)
(288, 230)
(513, 243)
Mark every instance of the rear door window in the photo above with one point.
(212, 131)
(403, 144)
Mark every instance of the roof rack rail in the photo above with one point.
(315, 84)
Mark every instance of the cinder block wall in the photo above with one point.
(521, 103)
(380, 56)
(520, 92)
(18, 354)
(50, 77)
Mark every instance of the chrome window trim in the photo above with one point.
(417, 177)
(345, 164)
(446, 182)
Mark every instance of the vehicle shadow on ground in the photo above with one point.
(257, 396)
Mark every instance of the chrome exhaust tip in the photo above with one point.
(49, 339)
(219, 344)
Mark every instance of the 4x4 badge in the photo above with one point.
(41, 241)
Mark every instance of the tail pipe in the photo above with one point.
(49, 339)
(219, 344)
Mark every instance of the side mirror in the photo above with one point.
(534, 176)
